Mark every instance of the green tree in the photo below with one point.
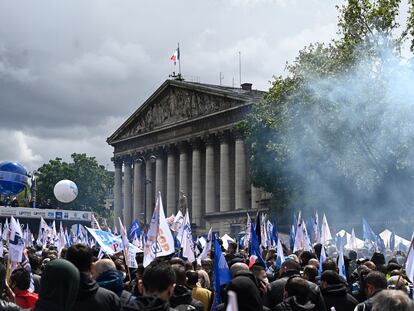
(321, 137)
(92, 180)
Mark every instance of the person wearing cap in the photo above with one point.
(335, 293)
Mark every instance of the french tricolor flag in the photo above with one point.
(176, 56)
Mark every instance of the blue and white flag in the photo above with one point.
(16, 244)
(341, 265)
(280, 256)
(369, 236)
(206, 248)
(292, 237)
(109, 243)
(222, 274)
(187, 242)
(322, 259)
(255, 249)
(133, 230)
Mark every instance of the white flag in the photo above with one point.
(341, 264)
(232, 301)
(95, 223)
(187, 239)
(409, 266)
(207, 247)
(299, 235)
(178, 222)
(15, 241)
(280, 257)
(5, 234)
(248, 231)
(325, 232)
(160, 241)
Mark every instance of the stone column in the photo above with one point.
(127, 210)
(255, 197)
(159, 174)
(171, 187)
(240, 174)
(148, 189)
(183, 178)
(138, 179)
(210, 177)
(224, 174)
(117, 191)
(196, 184)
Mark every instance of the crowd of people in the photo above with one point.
(79, 279)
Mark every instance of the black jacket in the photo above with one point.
(291, 304)
(182, 297)
(337, 296)
(275, 291)
(147, 303)
(91, 297)
(367, 304)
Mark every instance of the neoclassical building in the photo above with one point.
(184, 138)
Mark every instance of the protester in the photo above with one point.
(182, 297)
(296, 296)
(392, 300)
(156, 288)
(335, 293)
(7, 298)
(202, 294)
(20, 284)
(59, 288)
(375, 282)
(90, 296)
(107, 276)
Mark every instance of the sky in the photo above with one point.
(71, 72)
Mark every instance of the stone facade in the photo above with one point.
(184, 139)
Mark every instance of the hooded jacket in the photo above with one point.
(91, 297)
(248, 295)
(276, 288)
(59, 286)
(292, 304)
(336, 295)
(147, 303)
(113, 280)
(182, 299)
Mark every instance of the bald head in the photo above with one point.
(238, 266)
(103, 265)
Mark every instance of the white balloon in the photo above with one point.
(65, 191)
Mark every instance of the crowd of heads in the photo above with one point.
(80, 278)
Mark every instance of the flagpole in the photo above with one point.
(179, 61)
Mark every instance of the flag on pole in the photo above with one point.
(341, 264)
(178, 222)
(280, 256)
(316, 231)
(207, 247)
(160, 241)
(134, 229)
(255, 253)
(15, 242)
(176, 56)
(325, 231)
(322, 259)
(187, 239)
(248, 231)
(222, 274)
(292, 237)
(392, 241)
(409, 266)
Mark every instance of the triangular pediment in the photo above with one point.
(176, 102)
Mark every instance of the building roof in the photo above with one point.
(237, 94)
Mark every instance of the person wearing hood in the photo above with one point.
(59, 286)
(244, 284)
(20, 283)
(182, 298)
(91, 296)
(335, 293)
(296, 296)
(107, 276)
(276, 289)
(156, 288)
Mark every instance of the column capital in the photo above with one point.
(223, 136)
(170, 149)
(209, 139)
(182, 146)
(238, 135)
(117, 161)
(127, 159)
(195, 143)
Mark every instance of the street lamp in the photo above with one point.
(151, 159)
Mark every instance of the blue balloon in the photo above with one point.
(13, 178)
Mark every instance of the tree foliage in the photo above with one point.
(92, 180)
(320, 130)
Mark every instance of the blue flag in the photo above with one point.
(258, 228)
(222, 274)
(134, 230)
(275, 232)
(255, 247)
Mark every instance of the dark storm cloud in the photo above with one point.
(72, 71)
